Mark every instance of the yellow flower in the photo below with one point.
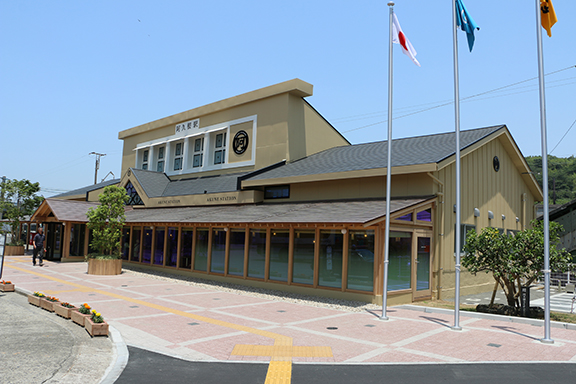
(98, 314)
(93, 311)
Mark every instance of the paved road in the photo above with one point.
(37, 346)
(148, 367)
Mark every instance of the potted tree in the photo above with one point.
(106, 222)
(19, 200)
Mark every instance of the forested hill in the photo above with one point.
(561, 171)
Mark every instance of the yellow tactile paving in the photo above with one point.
(279, 372)
(281, 351)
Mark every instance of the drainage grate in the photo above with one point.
(281, 311)
(91, 294)
(123, 285)
(216, 298)
(370, 325)
(193, 323)
(494, 345)
(134, 306)
(332, 328)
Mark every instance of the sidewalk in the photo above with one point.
(200, 323)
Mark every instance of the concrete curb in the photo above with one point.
(489, 316)
(119, 360)
(120, 357)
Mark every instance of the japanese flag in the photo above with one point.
(398, 37)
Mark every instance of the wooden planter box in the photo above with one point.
(34, 300)
(48, 305)
(96, 329)
(78, 317)
(63, 311)
(14, 250)
(104, 267)
(7, 287)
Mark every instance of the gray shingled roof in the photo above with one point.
(357, 212)
(85, 190)
(69, 210)
(157, 184)
(408, 151)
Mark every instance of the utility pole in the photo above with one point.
(98, 156)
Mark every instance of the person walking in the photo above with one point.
(39, 247)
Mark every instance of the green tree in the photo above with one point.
(561, 176)
(514, 261)
(107, 220)
(18, 200)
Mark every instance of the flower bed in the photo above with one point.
(64, 310)
(79, 316)
(48, 303)
(35, 298)
(95, 325)
(6, 286)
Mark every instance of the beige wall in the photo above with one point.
(361, 188)
(500, 192)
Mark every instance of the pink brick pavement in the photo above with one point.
(175, 317)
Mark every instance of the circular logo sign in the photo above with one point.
(240, 142)
(496, 163)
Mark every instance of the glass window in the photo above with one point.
(257, 253)
(425, 215)
(172, 247)
(159, 246)
(219, 151)
(423, 264)
(160, 167)
(125, 243)
(400, 256)
(134, 198)
(361, 260)
(218, 257)
(178, 156)
(145, 159)
(277, 192)
(304, 240)
(136, 232)
(186, 248)
(198, 152)
(406, 217)
(330, 262)
(279, 244)
(236, 253)
(201, 252)
(147, 244)
(145, 166)
(77, 237)
(160, 153)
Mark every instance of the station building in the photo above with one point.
(259, 189)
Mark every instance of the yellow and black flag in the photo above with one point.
(548, 15)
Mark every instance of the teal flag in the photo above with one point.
(465, 22)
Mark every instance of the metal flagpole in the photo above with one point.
(388, 172)
(456, 325)
(546, 271)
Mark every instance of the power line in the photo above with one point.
(562, 138)
(443, 104)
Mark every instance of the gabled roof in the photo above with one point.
(157, 184)
(63, 210)
(81, 192)
(430, 149)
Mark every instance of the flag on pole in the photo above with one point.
(398, 37)
(466, 23)
(548, 15)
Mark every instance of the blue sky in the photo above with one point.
(75, 73)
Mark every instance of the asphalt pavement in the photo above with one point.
(37, 346)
